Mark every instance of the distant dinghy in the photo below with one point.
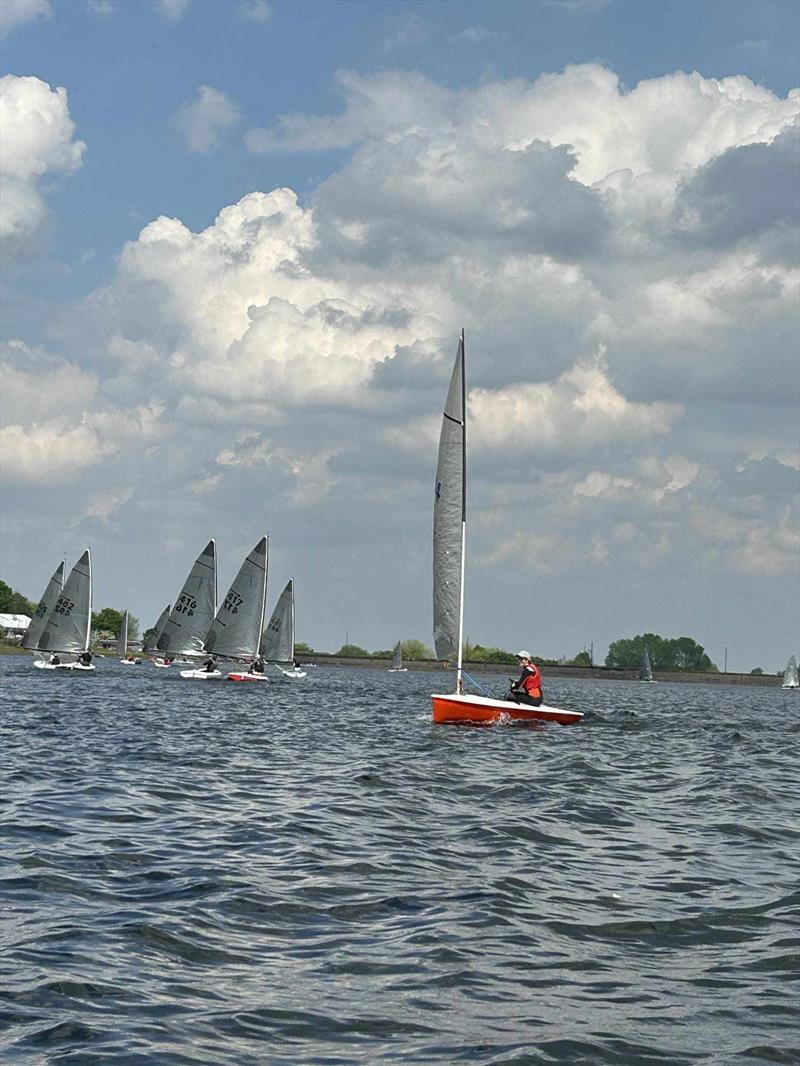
(790, 679)
(277, 640)
(67, 628)
(646, 668)
(397, 660)
(449, 540)
(149, 644)
(122, 644)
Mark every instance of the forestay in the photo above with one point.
(449, 514)
(189, 621)
(30, 640)
(68, 625)
(277, 640)
(122, 639)
(236, 630)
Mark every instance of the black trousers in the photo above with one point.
(516, 696)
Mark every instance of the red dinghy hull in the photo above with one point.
(479, 710)
(245, 677)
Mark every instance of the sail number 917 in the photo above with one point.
(233, 601)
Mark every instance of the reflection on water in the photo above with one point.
(312, 872)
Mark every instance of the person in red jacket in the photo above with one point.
(527, 689)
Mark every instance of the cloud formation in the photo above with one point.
(15, 13)
(37, 139)
(203, 120)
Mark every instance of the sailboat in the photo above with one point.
(397, 660)
(122, 644)
(790, 674)
(646, 668)
(277, 640)
(235, 632)
(149, 644)
(186, 626)
(30, 640)
(449, 542)
(67, 628)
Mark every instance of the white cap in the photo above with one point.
(523, 655)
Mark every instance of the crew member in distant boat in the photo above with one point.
(85, 658)
(257, 665)
(527, 689)
(54, 660)
(210, 664)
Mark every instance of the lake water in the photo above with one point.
(313, 873)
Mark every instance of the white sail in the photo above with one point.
(449, 520)
(645, 667)
(277, 640)
(189, 621)
(122, 639)
(398, 655)
(790, 679)
(236, 630)
(150, 642)
(68, 626)
(30, 640)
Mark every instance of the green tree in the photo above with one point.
(757, 670)
(14, 602)
(303, 649)
(680, 653)
(387, 653)
(415, 649)
(352, 651)
(583, 658)
(107, 621)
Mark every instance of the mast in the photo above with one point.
(89, 619)
(459, 678)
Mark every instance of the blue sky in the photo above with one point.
(622, 245)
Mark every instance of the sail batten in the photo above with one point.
(235, 632)
(277, 640)
(68, 625)
(30, 640)
(190, 619)
(449, 519)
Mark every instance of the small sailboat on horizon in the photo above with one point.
(790, 679)
(449, 542)
(397, 660)
(122, 644)
(149, 643)
(646, 669)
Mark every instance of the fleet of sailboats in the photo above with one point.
(449, 544)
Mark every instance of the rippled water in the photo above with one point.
(313, 873)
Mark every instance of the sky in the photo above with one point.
(240, 240)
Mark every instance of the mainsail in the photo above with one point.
(398, 655)
(277, 640)
(645, 667)
(790, 674)
(149, 643)
(190, 619)
(30, 640)
(236, 630)
(122, 639)
(449, 520)
(68, 626)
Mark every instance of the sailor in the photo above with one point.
(85, 658)
(210, 664)
(54, 660)
(527, 689)
(257, 665)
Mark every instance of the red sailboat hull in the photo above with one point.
(454, 709)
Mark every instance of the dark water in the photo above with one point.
(313, 873)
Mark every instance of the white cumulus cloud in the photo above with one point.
(205, 118)
(15, 13)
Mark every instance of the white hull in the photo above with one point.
(130, 662)
(40, 664)
(202, 675)
(398, 669)
(293, 675)
(790, 685)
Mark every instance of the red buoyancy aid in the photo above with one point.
(533, 681)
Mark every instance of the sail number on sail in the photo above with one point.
(64, 606)
(186, 605)
(233, 601)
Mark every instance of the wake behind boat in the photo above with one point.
(449, 541)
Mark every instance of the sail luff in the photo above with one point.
(30, 640)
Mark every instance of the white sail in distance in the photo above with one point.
(122, 639)
(277, 640)
(236, 630)
(449, 519)
(30, 640)
(790, 674)
(68, 626)
(398, 654)
(150, 643)
(189, 621)
(645, 667)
